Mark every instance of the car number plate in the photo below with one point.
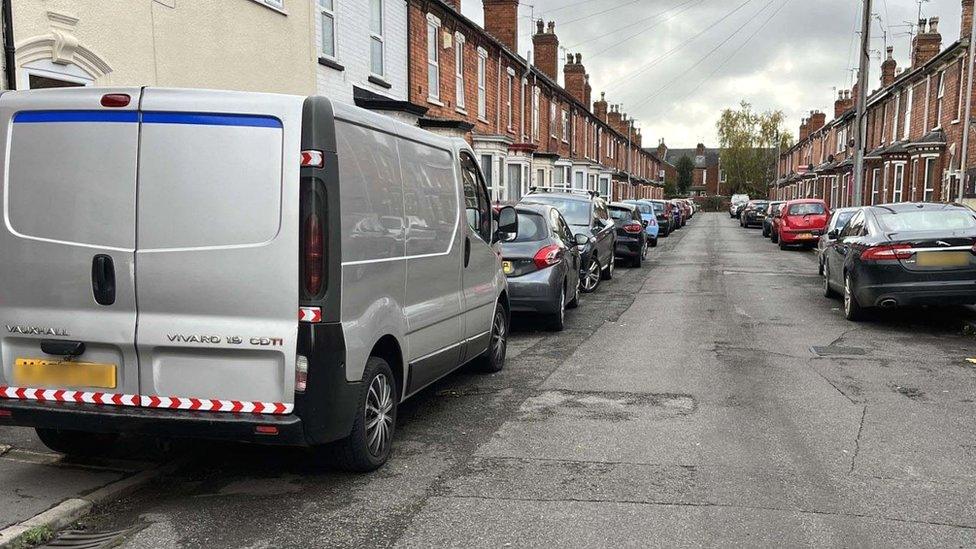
(943, 259)
(34, 372)
(507, 267)
(805, 236)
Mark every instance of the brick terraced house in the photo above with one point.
(527, 130)
(915, 123)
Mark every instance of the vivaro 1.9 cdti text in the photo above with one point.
(256, 267)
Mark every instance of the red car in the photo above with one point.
(801, 223)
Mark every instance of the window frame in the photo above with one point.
(898, 184)
(928, 188)
(459, 95)
(510, 98)
(433, 65)
(939, 97)
(331, 14)
(380, 37)
(483, 84)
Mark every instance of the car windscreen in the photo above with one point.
(807, 208)
(531, 227)
(927, 220)
(621, 214)
(576, 212)
(658, 207)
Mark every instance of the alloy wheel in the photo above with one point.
(499, 337)
(379, 415)
(592, 276)
(562, 305)
(847, 295)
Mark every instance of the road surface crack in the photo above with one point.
(857, 439)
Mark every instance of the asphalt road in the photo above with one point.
(713, 398)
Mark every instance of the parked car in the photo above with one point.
(754, 213)
(838, 218)
(587, 214)
(649, 215)
(631, 239)
(680, 213)
(263, 314)
(543, 264)
(771, 209)
(664, 211)
(685, 209)
(903, 254)
(801, 223)
(737, 201)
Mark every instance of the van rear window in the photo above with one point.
(73, 182)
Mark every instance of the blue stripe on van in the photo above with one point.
(246, 120)
(40, 117)
(255, 121)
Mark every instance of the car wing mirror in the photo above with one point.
(582, 239)
(507, 225)
(645, 223)
(832, 235)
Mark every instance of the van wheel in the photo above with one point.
(493, 359)
(369, 445)
(77, 443)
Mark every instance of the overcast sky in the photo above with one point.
(675, 64)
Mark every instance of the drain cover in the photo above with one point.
(80, 539)
(838, 351)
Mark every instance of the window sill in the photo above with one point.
(379, 81)
(435, 101)
(460, 110)
(270, 7)
(326, 62)
(956, 121)
(483, 119)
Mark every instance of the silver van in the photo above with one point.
(256, 267)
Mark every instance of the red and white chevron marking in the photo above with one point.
(171, 403)
(310, 314)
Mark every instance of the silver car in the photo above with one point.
(266, 268)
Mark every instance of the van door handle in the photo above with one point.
(467, 250)
(103, 279)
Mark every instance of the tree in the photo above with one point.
(750, 143)
(686, 170)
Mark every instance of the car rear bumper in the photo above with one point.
(324, 413)
(800, 237)
(536, 292)
(652, 231)
(628, 247)
(904, 294)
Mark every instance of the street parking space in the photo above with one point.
(712, 398)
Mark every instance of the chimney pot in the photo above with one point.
(921, 26)
(933, 25)
(552, 27)
(539, 26)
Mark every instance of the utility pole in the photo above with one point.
(861, 137)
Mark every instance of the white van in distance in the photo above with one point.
(256, 267)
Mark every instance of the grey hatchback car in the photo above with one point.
(542, 264)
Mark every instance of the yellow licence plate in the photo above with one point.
(943, 259)
(507, 267)
(38, 372)
(805, 236)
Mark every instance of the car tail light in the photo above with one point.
(266, 430)
(314, 253)
(6, 413)
(548, 256)
(884, 253)
(301, 374)
(633, 228)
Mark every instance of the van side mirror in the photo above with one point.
(582, 239)
(507, 225)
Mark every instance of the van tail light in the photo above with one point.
(301, 374)
(887, 253)
(548, 256)
(314, 254)
(633, 228)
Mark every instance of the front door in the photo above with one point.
(67, 246)
(480, 268)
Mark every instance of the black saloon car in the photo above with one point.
(903, 254)
(754, 213)
(587, 215)
(542, 265)
(631, 238)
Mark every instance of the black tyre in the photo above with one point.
(607, 273)
(370, 444)
(782, 245)
(590, 278)
(574, 302)
(774, 237)
(493, 360)
(77, 443)
(765, 232)
(828, 292)
(557, 320)
(654, 242)
(852, 309)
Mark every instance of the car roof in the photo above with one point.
(533, 208)
(915, 206)
(623, 206)
(806, 201)
(570, 196)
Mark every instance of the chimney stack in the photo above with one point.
(501, 21)
(546, 52)
(804, 129)
(817, 120)
(927, 43)
(600, 107)
(588, 92)
(843, 104)
(456, 4)
(662, 149)
(700, 149)
(575, 77)
(966, 28)
(613, 119)
(888, 69)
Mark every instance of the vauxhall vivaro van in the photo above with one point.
(256, 267)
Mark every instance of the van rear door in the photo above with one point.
(67, 245)
(217, 259)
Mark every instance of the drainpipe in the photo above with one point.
(9, 64)
(969, 109)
